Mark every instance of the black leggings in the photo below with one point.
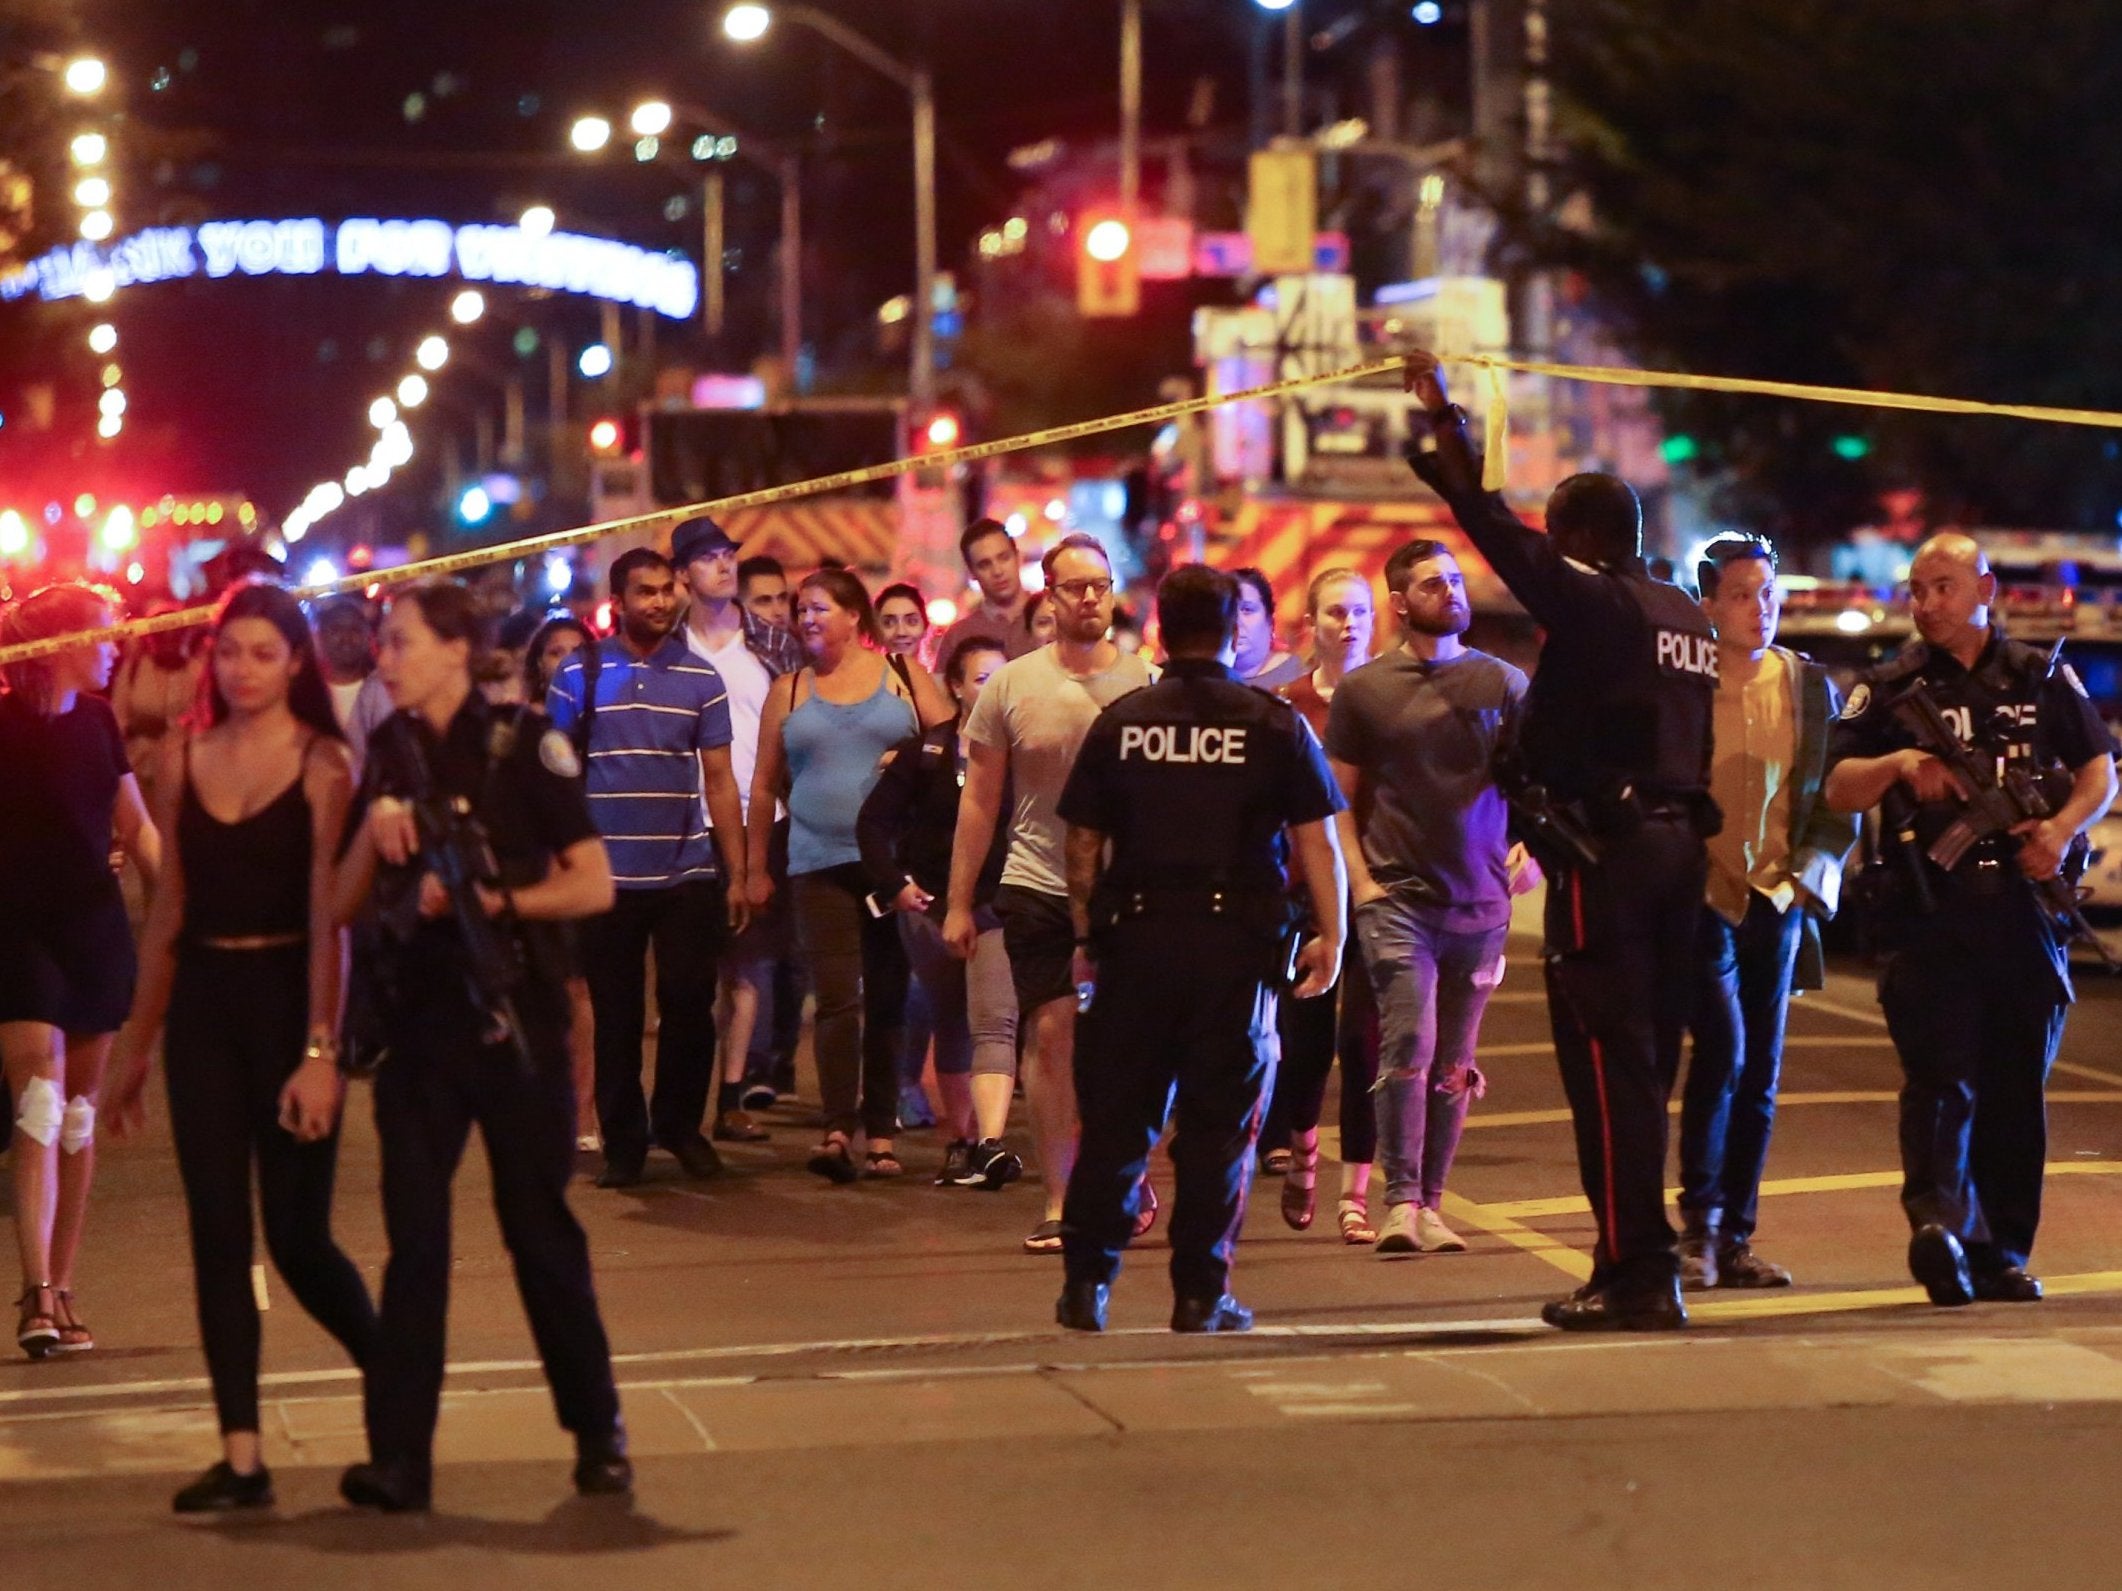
(237, 1022)
(1343, 1020)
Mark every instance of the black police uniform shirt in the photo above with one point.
(1194, 780)
(1626, 689)
(530, 800)
(2009, 706)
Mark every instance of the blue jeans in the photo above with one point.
(1432, 985)
(1728, 1110)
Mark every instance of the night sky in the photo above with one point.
(460, 109)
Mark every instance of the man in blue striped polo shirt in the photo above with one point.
(652, 723)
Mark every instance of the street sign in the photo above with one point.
(1231, 254)
(1282, 212)
(1164, 248)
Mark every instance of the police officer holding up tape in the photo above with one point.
(1975, 981)
(1617, 727)
(1193, 782)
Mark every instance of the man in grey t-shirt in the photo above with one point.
(1022, 738)
(1412, 736)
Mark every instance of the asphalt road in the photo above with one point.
(864, 1385)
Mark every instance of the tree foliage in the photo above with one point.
(1917, 195)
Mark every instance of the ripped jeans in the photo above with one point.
(1432, 985)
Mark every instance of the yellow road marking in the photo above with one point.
(1855, 1013)
(1573, 1263)
(2093, 1072)
(1839, 1182)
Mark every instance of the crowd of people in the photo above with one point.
(755, 792)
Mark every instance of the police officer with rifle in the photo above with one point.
(1989, 764)
(471, 842)
(1185, 941)
(1615, 747)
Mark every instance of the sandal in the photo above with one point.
(36, 1332)
(1300, 1191)
(1146, 1210)
(882, 1163)
(74, 1337)
(1276, 1163)
(1356, 1229)
(832, 1160)
(1045, 1238)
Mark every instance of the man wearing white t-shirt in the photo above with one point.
(750, 655)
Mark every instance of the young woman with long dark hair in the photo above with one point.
(821, 740)
(241, 973)
(66, 950)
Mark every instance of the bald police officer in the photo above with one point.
(1975, 981)
(1617, 727)
(1193, 782)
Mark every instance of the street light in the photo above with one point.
(92, 193)
(89, 149)
(747, 24)
(651, 119)
(590, 134)
(86, 76)
(467, 306)
(724, 141)
(596, 362)
(102, 337)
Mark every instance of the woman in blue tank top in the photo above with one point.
(822, 739)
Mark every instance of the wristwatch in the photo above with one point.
(321, 1048)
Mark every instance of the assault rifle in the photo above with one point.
(1559, 827)
(455, 848)
(1995, 804)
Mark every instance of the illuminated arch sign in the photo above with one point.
(564, 262)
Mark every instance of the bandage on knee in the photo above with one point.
(77, 1129)
(38, 1112)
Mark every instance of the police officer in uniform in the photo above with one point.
(1617, 728)
(449, 1060)
(1975, 981)
(1192, 782)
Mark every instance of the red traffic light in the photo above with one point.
(943, 432)
(605, 436)
(1108, 240)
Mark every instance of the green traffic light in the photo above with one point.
(1852, 448)
(1680, 449)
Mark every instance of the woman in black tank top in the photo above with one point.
(243, 964)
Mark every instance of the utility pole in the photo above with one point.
(1130, 113)
(713, 249)
(1293, 70)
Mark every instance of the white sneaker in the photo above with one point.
(1397, 1235)
(1432, 1236)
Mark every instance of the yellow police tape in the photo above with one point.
(1491, 365)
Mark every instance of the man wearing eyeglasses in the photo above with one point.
(1775, 870)
(1022, 740)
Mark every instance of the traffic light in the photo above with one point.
(937, 431)
(1108, 270)
(1852, 447)
(1680, 448)
(605, 437)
